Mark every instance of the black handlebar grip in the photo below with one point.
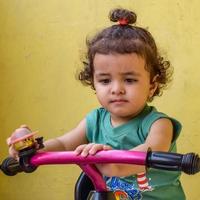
(10, 166)
(191, 163)
(188, 163)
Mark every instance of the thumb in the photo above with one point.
(8, 141)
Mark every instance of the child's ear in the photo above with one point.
(153, 86)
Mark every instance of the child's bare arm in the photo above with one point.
(70, 140)
(66, 142)
(159, 139)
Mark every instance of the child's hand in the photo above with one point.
(91, 149)
(12, 151)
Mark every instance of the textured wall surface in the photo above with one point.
(41, 43)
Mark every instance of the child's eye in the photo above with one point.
(130, 80)
(104, 81)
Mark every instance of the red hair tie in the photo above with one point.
(123, 21)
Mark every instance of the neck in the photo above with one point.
(119, 120)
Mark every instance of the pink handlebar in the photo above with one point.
(69, 157)
(87, 163)
(30, 159)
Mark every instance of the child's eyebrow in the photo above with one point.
(102, 74)
(132, 73)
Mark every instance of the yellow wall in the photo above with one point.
(40, 46)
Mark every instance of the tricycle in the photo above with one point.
(91, 184)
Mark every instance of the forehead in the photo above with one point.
(119, 62)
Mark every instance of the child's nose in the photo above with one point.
(118, 88)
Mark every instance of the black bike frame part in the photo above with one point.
(24, 159)
(11, 166)
(107, 195)
(83, 187)
(25, 164)
(189, 163)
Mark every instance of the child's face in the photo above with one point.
(122, 84)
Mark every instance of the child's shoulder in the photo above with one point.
(97, 114)
(154, 115)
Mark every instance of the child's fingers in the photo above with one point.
(91, 149)
(106, 147)
(13, 153)
(97, 147)
(86, 150)
(8, 141)
(25, 126)
(79, 149)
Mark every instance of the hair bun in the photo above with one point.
(123, 14)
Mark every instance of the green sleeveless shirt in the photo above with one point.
(162, 184)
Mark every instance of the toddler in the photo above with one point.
(126, 71)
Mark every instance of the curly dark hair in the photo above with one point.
(124, 38)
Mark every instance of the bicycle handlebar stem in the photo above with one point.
(95, 176)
